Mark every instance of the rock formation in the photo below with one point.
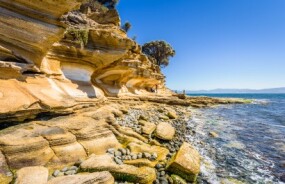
(63, 65)
(49, 61)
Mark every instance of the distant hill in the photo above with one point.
(270, 90)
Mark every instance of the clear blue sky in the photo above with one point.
(219, 43)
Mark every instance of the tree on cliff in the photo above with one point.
(126, 27)
(159, 52)
(109, 3)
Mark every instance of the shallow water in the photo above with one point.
(251, 143)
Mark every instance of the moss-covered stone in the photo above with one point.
(177, 179)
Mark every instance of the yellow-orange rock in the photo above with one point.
(185, 163)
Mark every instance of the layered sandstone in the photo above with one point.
(63, 65)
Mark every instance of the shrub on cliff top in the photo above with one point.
(126, 27)
(158, 52)
(109, 3)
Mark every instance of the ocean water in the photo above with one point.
(251, 143)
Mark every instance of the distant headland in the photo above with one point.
(268, 90)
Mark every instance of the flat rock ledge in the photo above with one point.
(122, 172)
(116, 141)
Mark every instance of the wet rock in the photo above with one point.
(213, 134)
(32, 175)
(177, 179)
(186, 163)
(165, 131)
(282, 178)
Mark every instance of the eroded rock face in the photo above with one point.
(29, 28)
(47, 64)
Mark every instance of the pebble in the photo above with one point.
(71, 172)
(128, 151)
(111, 151)
(64, 169)
(73, 168)
(118, 161)
(55, 173)
(118, 153)
(123, 151)
(60, 174)
(9, 174)
(140, 155)
(163, 180)
(134, 157)
(162, 173)
(146, 155)
(158, 166)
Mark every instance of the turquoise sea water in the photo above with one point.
(251, 143)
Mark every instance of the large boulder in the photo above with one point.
(93, 178)
(122, 172)
(165, 131)
(32, 175)
(186, 163)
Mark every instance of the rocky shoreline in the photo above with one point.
(121, 140)
(77, 101)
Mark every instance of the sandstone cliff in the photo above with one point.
(53, 57)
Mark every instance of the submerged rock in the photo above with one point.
(214, 134)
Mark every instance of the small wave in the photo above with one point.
(261, 101)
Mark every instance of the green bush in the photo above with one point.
(158, 52)
(79, 35)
